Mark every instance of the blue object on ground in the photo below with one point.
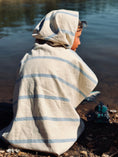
(101, 113)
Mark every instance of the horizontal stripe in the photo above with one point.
(59, 30)
(42, 141)
(67, 32)
(50, 36)
(43, 96)
(40, 96)
(47, 118)
(54, 77)
(66, 61)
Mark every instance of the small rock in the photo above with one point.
(2, 151)
(16, 150)
(65, 154)
(110, 121)
(84, 153)
(12, 150)
(112, 111)
(8, 155)
(91, 154)
(116, 115)
(105, 155)
(22, 154)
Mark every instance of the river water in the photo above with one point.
(99, 41)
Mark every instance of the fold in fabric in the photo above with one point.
(52, 82)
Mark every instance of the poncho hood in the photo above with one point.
(58, 27)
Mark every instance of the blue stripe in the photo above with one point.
(47, 118)
(43, 96)
(54, 77)
(43, 141)
(49, 37)
(68, 32)
(66, 61)
(59, 30)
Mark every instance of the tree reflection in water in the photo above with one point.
(26, 13)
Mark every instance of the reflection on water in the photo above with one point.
(99, 41)
(23, 14)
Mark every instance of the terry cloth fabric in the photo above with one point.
(52, 81)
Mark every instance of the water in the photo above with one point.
(99, 40)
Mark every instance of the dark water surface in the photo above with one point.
(99, 41)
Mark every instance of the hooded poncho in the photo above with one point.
(52, 81)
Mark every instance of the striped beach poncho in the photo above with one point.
(51, 83)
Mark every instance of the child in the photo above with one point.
(52, 82)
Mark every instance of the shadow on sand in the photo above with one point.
(6, 115)
(99, 138)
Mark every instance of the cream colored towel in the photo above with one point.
(52, 82)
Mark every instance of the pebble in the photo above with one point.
(22, 154)
(91, 154)
(116, 115)
(12, 150)
(2, 151)
(112, 111)
(84, 153)
(65, 154)
(105, 155)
